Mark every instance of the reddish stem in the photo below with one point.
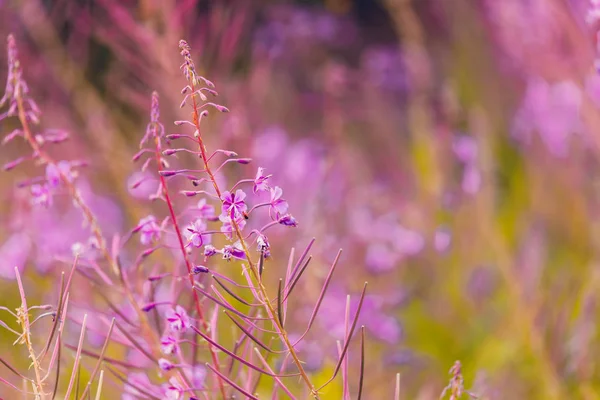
(188, 264)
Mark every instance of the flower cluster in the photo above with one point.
(168, 320)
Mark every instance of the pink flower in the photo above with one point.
(165, 364)
(195, 235)
(40, 195)
(53, 173)
(234, 251)
(233, 203)
(178, 319)
(173, 390)
(149, 230)
(288, 220)
(260, 181)
(278, 205)
(228, 228)
(168, 345)
(207, 211)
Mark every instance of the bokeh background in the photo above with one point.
(450, 147)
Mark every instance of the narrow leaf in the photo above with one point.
(280, 303)
(100, 359)
(247, 333)
(362, 362)
(231, 354)
(321, 296)
(233, 384)
(347, 339)
(77, 357)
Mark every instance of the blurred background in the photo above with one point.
(450, 148)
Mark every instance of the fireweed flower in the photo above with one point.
(465, 149)
(194, 233)
(288, 220)
(406, 241)
(40, 195)
(206, 210)
(278, 205)
(233, 251)
(227, 227)
(14, 252)
(233, 203)
(553, 110)
(178, 319)
(593, 12)
(169, 345)
(209, 250)
(173, 390)
(149, 230)
(263, 246)
(53, 173)
(165, 364)
(380, 258)
(200, 269)
(198, 375)
(260, 181)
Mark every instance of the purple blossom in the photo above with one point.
(260, 181)
(380, 258)
(165, 364)
(173, 390)
(198, 377)
(178, 319)
(288, 220)
(54, 171)
(199, 269)
(142, 185)
(278, 205)
(442, 239)
(465, 149)
(206, 210)
(233, 203)
(41, 195)
(263, 246)
(169, 345)
(233, 251)
(14, 253)
(195, 233)
(407, 242)
(209, 250)
(228, 228)
(149, 230)
(553, 110)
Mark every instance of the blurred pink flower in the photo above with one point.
(14, 253)
(553, 111)
(144, 190)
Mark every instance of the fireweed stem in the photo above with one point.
(253, 267)
(186, 259)
(23, 315)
